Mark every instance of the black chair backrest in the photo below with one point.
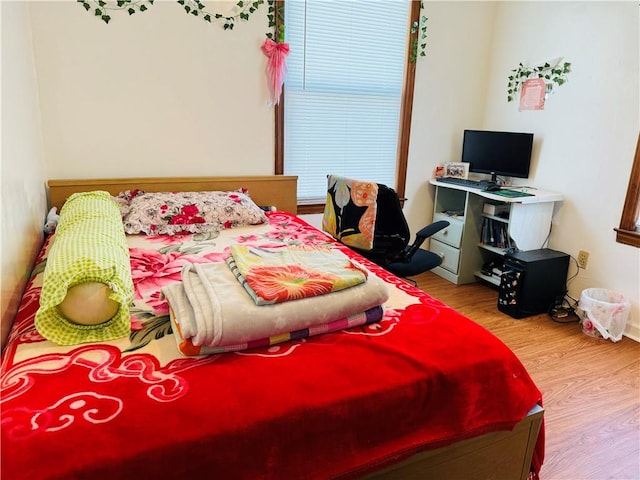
(391, 235)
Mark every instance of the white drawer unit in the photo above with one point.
(457, 244)
(452, 235)
(450, 255)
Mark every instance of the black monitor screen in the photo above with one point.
(497, 153)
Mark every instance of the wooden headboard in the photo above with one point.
(278, 190)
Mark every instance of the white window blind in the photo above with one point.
(343, 91)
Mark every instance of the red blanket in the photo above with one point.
(343, 403)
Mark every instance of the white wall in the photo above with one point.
(156, 93)
(23, 207)
(587, 133)
(450, 94)
(164, 93)
(585, 136)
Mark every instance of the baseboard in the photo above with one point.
(632, 332)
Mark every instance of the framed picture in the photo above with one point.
(532, 94)
(456, 169)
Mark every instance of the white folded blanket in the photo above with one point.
(213, 309)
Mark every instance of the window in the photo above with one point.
(629, 231)
(346, 106)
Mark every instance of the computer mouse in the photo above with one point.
(491, 188)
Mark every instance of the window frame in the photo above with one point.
(627, 232)
(406, 110)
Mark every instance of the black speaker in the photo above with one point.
(532, 281)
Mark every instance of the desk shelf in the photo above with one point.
(493, 279)
(495, 250)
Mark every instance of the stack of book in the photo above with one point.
(495, 234)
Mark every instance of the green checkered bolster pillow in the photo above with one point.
(87, 287)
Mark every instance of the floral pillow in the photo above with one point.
(171, 213)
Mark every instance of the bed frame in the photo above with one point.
(503, 454)
(277, 190)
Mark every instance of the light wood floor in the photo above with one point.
(591, 387)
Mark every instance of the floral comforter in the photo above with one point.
(338, 404)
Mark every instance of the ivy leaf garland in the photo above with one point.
(556, 74)
(242, 10)
(418, 34)
(275, 16)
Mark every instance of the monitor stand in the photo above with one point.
(491, 183)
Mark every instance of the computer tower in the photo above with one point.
(532, 281)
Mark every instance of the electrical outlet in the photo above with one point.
(583, 259)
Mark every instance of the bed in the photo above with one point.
(420, 392)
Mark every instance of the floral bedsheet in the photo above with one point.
(339, 404)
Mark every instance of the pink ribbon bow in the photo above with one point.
(276, 66)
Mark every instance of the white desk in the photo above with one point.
(528, 224)
(539, 196)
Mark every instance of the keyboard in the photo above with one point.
(462, 181)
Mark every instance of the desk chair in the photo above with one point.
(368, 218)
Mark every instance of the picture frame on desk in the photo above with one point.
(456, 169)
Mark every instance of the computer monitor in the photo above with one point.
(497, 153)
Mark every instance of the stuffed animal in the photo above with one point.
(52, 221)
